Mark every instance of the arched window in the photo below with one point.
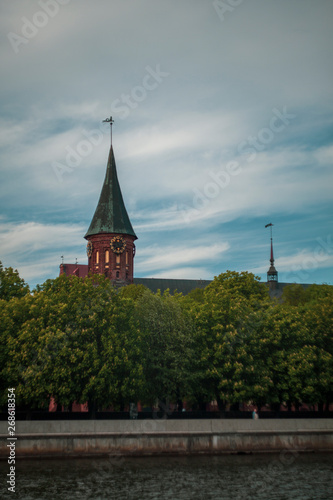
(97, 257)
(107, 257)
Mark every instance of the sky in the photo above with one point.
(222, 124)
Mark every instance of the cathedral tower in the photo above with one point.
(110, 236)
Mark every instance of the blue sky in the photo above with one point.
(223, 123)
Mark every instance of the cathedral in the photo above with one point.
(111, 245)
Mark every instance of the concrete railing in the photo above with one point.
(147, 437)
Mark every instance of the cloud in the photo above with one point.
(35, 249)
(170, 256)
(29, 236)
(198, 273)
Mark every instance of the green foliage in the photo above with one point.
(293, 295)
(11, 285)
(81, 340)
(133, 291)
(297, 295)
(282, 334)
(316, 292)
(226, 323)
(196, 295)
(245, 285)
(165, 345)
(13, 314)
(62, 346)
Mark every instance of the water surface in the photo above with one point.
(285, 475)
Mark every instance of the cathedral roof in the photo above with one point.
(111, 215)
(183, 286)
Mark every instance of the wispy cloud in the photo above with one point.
(35, 248)
(172, 256)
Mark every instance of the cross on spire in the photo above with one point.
(111, 121)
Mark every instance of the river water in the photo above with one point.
(286, 475)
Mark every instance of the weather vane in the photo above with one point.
(109, 120)
(270, 225)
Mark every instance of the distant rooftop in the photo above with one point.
(174, 285)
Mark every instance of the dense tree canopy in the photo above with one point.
(82, 340)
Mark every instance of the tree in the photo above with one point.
(11, 285)
(283, 334)
(133, 292)
(13, 314)
(225, 322)
(164, 332)
(318, 316)
(63, 347)
(122, 368)
(81, 340)
(293, 295)
(297, 295)
(315, 293)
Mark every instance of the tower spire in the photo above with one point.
(110, 236)
(272, 274)
(111, 214)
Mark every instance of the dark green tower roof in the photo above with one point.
(110, 215)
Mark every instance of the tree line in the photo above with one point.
(82, 340)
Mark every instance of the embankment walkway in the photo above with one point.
(162, 437)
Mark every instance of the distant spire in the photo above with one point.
(272, 256)
(272, 274)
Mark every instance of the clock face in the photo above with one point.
(118, 244)
(89, 248)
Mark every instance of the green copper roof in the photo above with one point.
(110, 215)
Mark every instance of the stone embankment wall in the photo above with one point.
(160, 437)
